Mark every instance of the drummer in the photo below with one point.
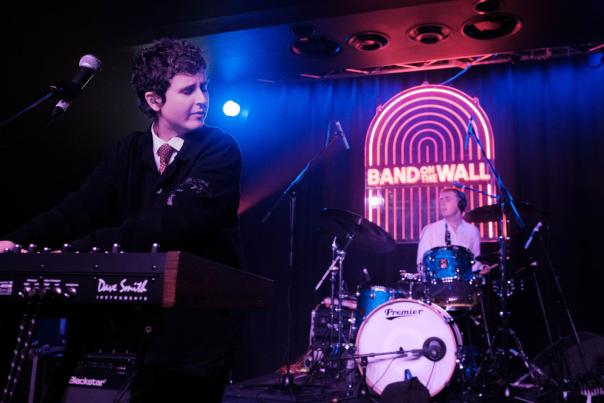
(452, 229)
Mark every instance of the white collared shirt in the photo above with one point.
(433, 235)
(176, 143)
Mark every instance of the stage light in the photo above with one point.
(594, 59)
(376, 201)
(231, 108)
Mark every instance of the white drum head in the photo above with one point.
(406, 324)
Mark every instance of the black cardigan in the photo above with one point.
(191, 207)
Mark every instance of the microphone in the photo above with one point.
(465, 144)
(533, 233)
(458, 185)
(339, 131)
(89, 65)
(434, 349)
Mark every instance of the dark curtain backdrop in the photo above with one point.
(548, 123)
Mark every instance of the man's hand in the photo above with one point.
(4, 245)
(486, 269)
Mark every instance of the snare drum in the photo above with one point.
(449, 281)
(413, 326)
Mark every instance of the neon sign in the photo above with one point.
(415, 146)
(442, 173)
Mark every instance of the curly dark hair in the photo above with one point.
(154, 66)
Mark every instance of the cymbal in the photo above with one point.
(366, 233)
(492, 257)
(492, 212)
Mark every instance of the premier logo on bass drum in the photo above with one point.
(401, 313)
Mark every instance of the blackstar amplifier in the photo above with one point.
(101, 378)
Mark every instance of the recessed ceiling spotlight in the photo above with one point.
(316, 46)
(492, 26)
(368, 41)
(488, 6)
(429, 34)
(303, 29)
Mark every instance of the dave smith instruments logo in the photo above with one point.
(401, 313)
(137, 287)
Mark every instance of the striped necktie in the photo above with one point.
(165, 152)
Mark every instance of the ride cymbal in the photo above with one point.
(365, 232)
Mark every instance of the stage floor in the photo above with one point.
(321, 388)
(268, 388)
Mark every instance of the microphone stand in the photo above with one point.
(61, 88)
(471, 189)
(363, 390)
(288, 379)
(505, 199)
(29, 107)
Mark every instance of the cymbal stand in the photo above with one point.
(336, 267)
(564, 376)
(504, 353)
(332, 306)
(487, 334)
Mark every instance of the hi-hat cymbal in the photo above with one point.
(492, 212)
(492, 257)
(365, 232)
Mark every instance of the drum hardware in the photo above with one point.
(321, 330)
(513, 286)
(462, 290)
(334, 358)
(487, 333)
(505, 204)
(433, 349)
(566, 381)
(362, 232)
(336, 269)
(347, 302)
(409, 283)
(499, 361)
(396, 328)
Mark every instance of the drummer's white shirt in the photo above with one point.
(433, 235)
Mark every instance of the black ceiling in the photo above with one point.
(252, 39)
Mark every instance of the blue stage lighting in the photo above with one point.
(231, 108)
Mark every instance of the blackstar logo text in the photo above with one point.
(138, 287)
(74, 380)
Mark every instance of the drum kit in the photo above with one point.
(384, 335)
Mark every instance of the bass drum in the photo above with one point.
(413, 326)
